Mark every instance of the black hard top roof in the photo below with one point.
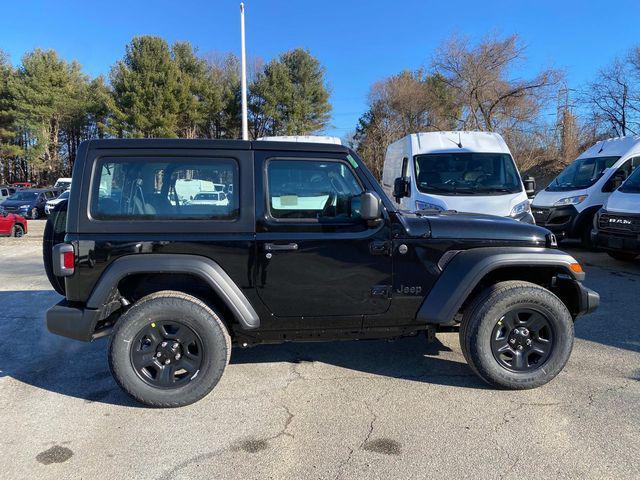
(214, 144)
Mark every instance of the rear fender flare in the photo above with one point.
(202, 267)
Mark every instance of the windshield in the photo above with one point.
(467, 173)
(28, 196)
(582, 173)
(206, 196)
(632, 184)
(62, 184)
(64, 195)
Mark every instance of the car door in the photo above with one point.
(316, 258)
(6, 223)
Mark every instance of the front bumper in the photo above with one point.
(588, 300)
(561, 221)
(616, 241)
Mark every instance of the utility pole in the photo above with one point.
(243, 61)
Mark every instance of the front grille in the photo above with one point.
(619, 223)
(540, 214)
(11, 209)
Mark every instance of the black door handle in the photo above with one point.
(280, 247)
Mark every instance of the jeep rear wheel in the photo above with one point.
(517, 335)
(169, 350)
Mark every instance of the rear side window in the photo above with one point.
(180, 189)
(312, 190)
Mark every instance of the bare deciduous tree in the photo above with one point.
(613, 99)
(490, 98)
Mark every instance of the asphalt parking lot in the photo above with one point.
(340, 410)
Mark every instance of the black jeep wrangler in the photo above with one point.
(179, 249)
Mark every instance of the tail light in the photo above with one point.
(64, 260)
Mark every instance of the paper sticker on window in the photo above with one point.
(352, 161)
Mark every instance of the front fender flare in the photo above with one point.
(467, 268)
(202, 267)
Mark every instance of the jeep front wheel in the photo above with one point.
(517, 335)
(169, 350)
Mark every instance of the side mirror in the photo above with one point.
(370, 206)
(401, 188)
(529, 186)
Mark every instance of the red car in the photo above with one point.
(12, 225)
(23, 185)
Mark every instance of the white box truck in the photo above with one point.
(463, 171)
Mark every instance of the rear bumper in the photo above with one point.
(70, 320)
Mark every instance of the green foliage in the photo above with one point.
(290, 97)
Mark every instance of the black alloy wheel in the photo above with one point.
(522, 340)
(167, 354)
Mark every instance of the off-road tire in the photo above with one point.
(623, 256)
(194, 313)
(481, 316)
(18, 231)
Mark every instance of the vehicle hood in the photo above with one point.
(17, 203)
(548, 199)
(55, 201)
(495, 204)
(471, 226)
(623, 202)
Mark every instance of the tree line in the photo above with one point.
(478, 86)
(49, 105)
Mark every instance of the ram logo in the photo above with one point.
(620, 221)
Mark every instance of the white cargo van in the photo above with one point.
(462, 171)
(567, 206)
(617, 223)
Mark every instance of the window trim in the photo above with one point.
(304, 221)
(94, 186)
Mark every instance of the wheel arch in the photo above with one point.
(124, 272)
(471, 271)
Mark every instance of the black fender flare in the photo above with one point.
(202, 267)
(467, 268)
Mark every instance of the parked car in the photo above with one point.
(209, 198)
(29, 202)
(12, 225)
(52, 203)
(308, 247)
(462, 171)
(23, 185)
(569, 203)
(6, 192)
(616, 228)
(62, 184)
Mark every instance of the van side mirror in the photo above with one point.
(529, 186)
(401, 188)
(370, 206)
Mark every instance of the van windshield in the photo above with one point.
(467, 173)
(582, 173)
(632, 184)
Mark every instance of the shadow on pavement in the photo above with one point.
(55, 364)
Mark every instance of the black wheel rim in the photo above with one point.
(167, 354)
(522, 340)
(18, 232)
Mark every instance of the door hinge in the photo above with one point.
(380, 291)
(380, 247)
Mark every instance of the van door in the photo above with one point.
(316, 258)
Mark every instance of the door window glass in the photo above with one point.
(164, 189)
(312, 190)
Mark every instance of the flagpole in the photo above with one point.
(243, 61)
